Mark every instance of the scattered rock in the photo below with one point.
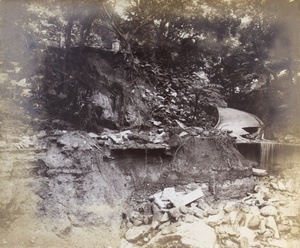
(254, 222)
(268, 211)
(281, 186)
(244, 242)
(259, 172)
(137, 232)
(214, 220)
(241, 219)
(137, 222)
(229, 207)
(270, 222)
(189, 218)
(274, 186)
(183, 209)
(232, 217)
(198, 213)
(174, 213)
(206, 133)
(197, 234)
(164, 218)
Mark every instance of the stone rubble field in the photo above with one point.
(267, 218)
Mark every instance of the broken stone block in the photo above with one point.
(270, 223)
(75, 145)
(232, 217)
(214, 220)
(164, 218)
(93, 135)
(137, 222)
(254, 222)
(189, 218)
(280, 243)
(198, 213)
(154, 224)
(174, 213)
(262, 226)
(230, 206)
(259, 172)
(269, 211)
(197, 234)
(202, 205)
(281, 186)
(169, 194)
(241, 219)
(274, 186)
(211, 211)
(134, 216)
(136, 233)
(192, 196)
(158, 201)
(183, 209)
(244, 242)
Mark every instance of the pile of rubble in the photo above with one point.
(269, 217)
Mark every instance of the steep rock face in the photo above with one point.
(93, 88)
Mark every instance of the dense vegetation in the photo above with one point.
(187, 56)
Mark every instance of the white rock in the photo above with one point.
(254, 222)
(272, 225)
(164, 218)
(197, 234)
(192, 196)
(93, 135)
(259, 172)
(269, 211)
(214, 220)
(279, 243)
(281, 186)
(233, 216)
(230, 206)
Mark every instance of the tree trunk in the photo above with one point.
(68, 31)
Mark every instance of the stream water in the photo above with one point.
(271, 156)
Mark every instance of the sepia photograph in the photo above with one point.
(149, 123)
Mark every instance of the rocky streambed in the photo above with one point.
(268, 217)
